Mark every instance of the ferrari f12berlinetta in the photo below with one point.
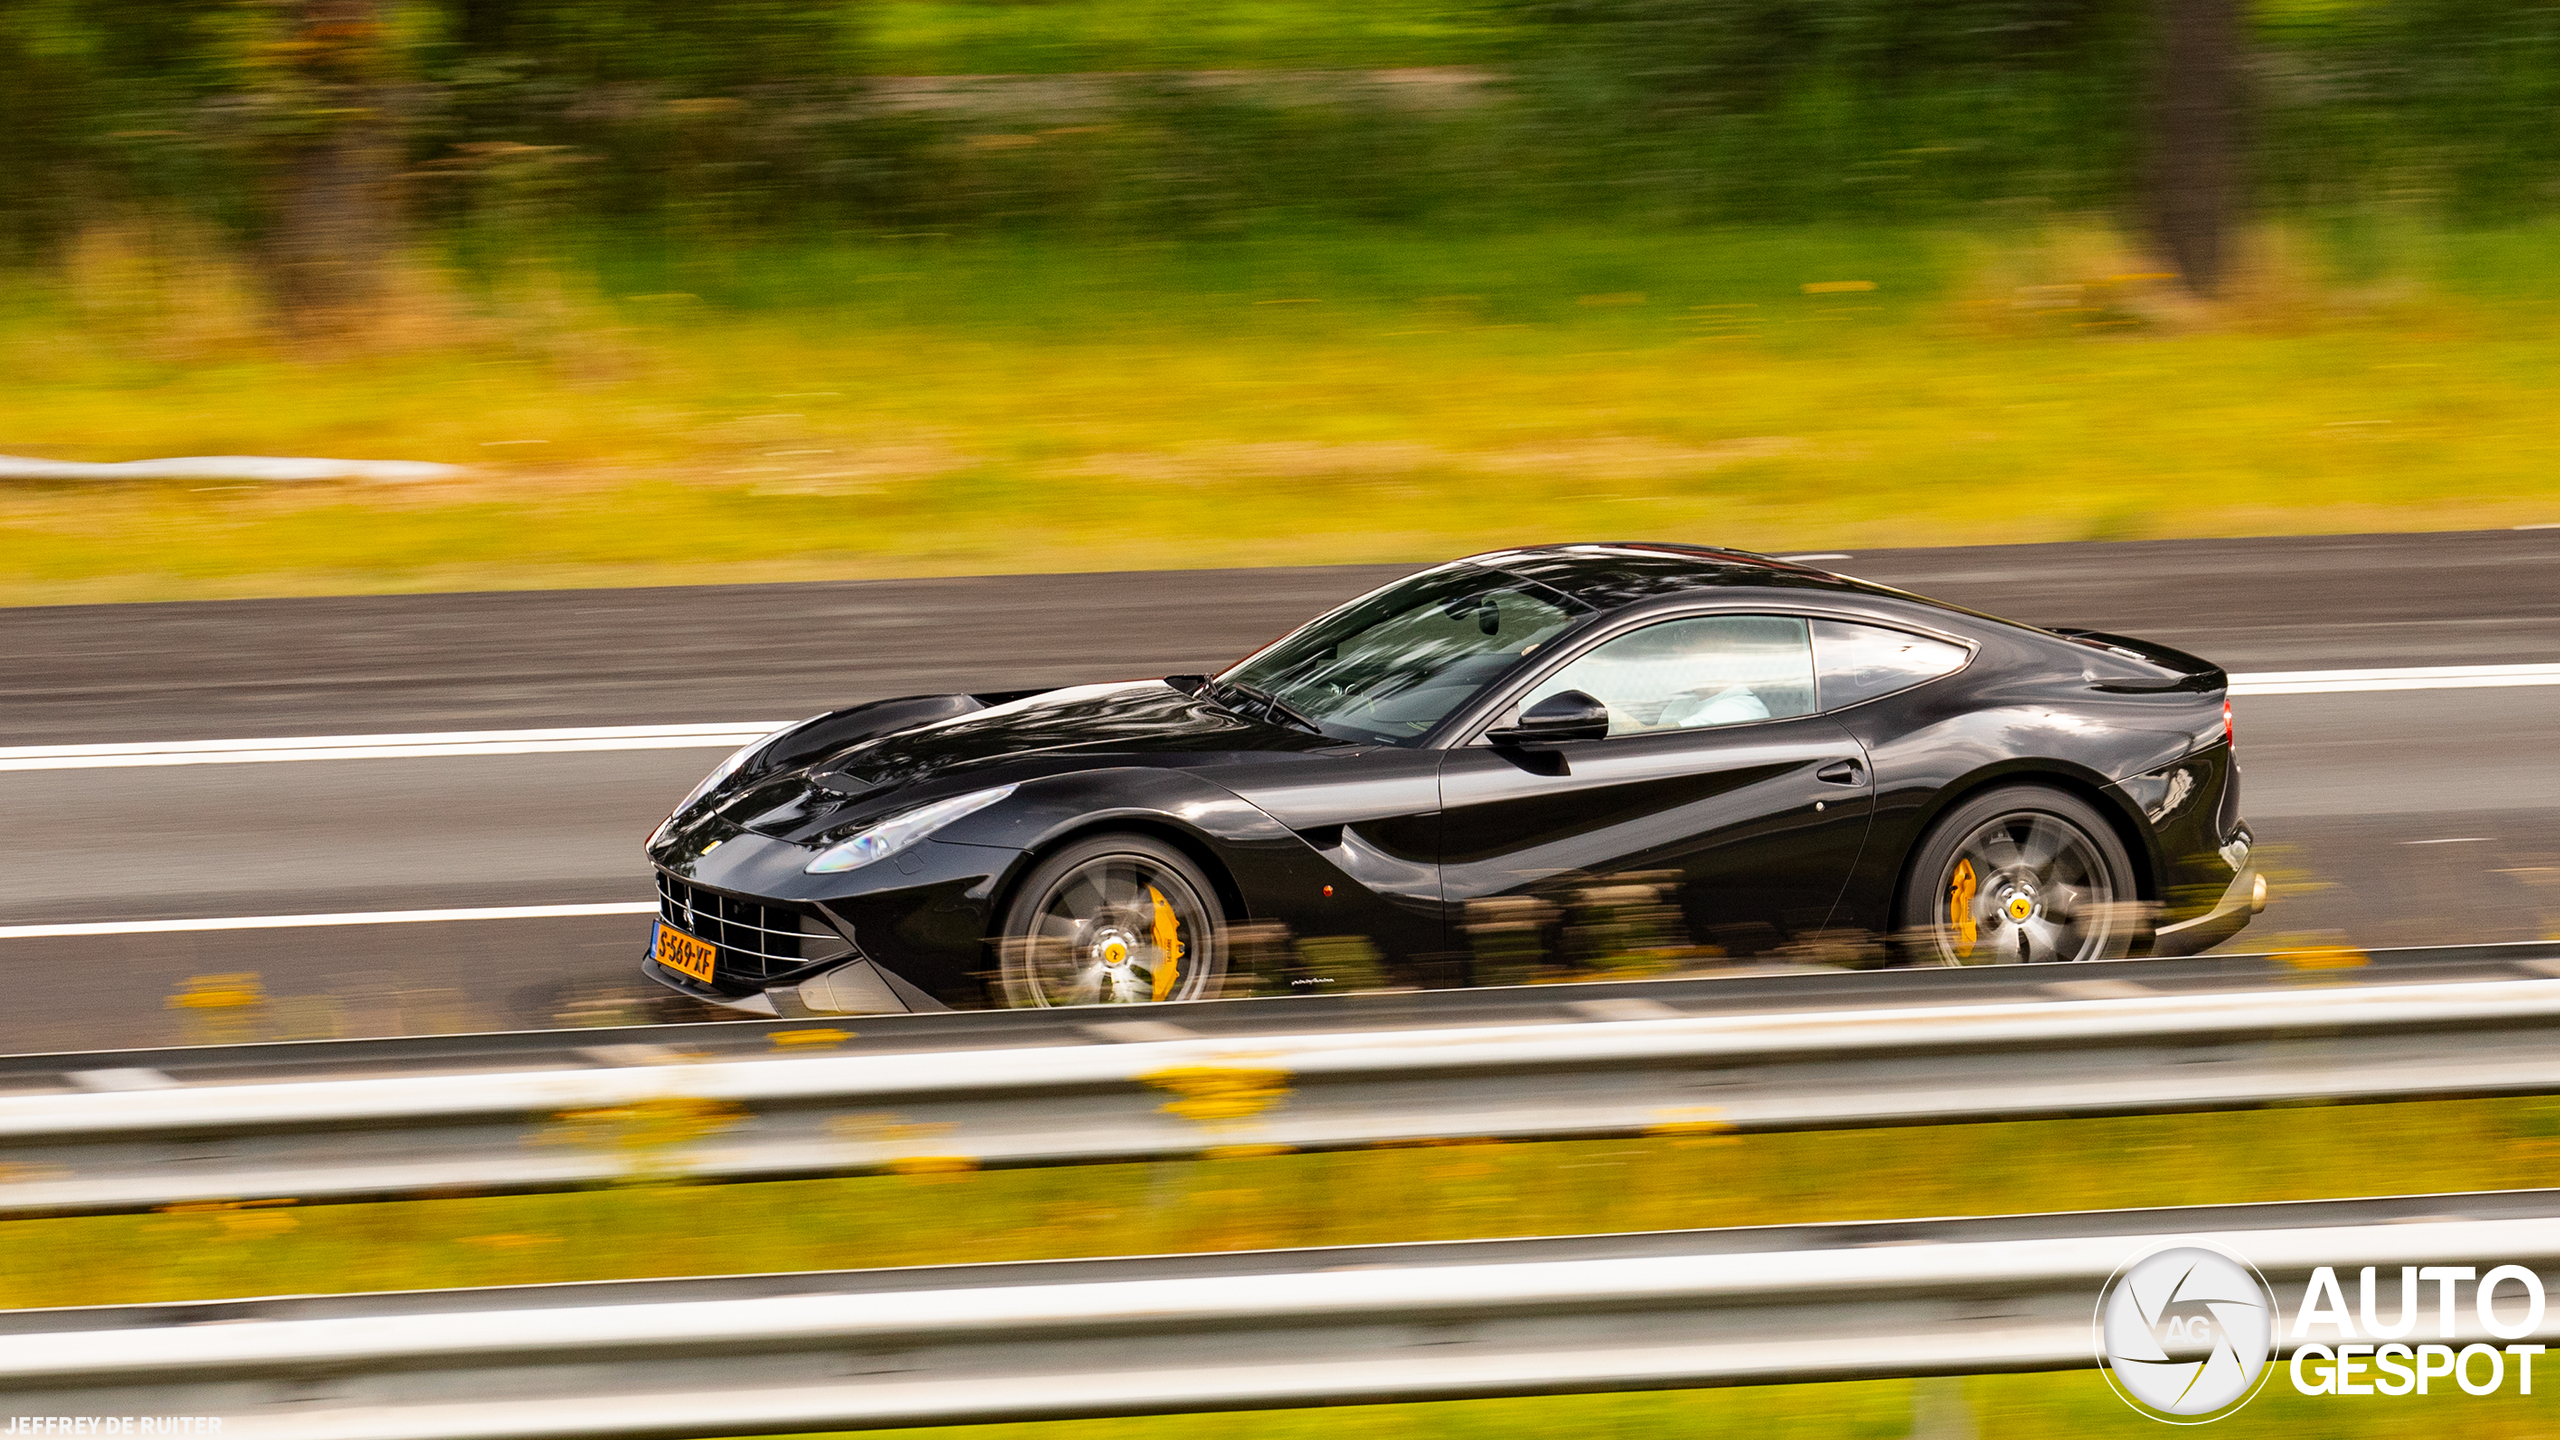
(1784, 759)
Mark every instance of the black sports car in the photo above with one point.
(1742, 754)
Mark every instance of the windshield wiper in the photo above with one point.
(1271, 705)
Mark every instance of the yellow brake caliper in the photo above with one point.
(1168, 938)
(1960, 909)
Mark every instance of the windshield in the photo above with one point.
(1394, 664)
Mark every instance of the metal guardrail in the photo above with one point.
(813, 1352)
(1742, 990)
(537, 1130)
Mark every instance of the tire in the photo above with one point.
(1115, 919)
(2022, 874)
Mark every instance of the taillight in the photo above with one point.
(2227, 738)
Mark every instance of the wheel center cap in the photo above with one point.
(2021, 908)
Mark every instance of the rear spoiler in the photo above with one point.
(2123, 663)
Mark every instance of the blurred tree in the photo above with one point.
(318, 134)
(707, 114)
(2193, 162)
(320, 72)
(688, 48)
(1817, 109)
(97, 104)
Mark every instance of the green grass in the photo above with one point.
(1364, 1197)
(1439, 1192)
(897, 408)
(2001, 1407)
(966, 37)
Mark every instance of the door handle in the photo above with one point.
(1843, 772)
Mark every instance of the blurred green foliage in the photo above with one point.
(1044, 37)
(725, 116)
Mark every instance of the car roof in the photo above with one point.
(1614, 575)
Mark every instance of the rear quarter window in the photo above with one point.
(1855, 663)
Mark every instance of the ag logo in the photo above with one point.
(2185, 1334)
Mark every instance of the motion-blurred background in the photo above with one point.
(762, 290)
(768, 289)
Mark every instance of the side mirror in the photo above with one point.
(1568, 715)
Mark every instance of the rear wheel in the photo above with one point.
(2023, 875)
(1112, 920)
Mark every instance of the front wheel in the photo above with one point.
(1112, 920)
(2025, 875)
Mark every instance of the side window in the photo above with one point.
(1861, 662)
(1688, 674)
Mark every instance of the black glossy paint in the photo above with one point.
(1769, 832)
(1758, 845)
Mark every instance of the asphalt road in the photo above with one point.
(2400, 818)
(596, 657)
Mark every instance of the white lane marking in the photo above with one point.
(2416, 677)
(619, 1056)
(720, 735)
(1625, 1008)
(115, 1081)
(723, 735)
(295, 922)
(2100, 990)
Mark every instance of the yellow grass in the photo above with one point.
(957, 417)
(1434, 1192)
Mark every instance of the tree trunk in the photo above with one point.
(2195, 158)
(333, 220)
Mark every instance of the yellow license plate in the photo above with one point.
(685, 955)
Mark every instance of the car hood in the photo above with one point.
(1142, 723)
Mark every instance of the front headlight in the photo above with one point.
(899, 831)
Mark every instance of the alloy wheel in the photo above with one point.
(1122, 928)
(2025, 888)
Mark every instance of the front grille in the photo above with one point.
(757, 938)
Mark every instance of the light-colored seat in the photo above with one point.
(1695, 673)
